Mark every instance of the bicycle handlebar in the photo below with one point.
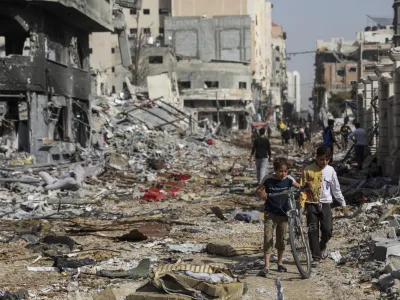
(288, 192)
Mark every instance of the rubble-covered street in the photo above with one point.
(146, 148)
(74, 244)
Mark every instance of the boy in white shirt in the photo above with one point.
(322, 182)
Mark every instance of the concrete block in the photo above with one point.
(47, 178)
(69, 184)
(387, 232)
(396, 285)
(386, 281)
(383, 250)
(393, 222)
(107, 294)
(394, 260)
(395, 274)
(393, 264)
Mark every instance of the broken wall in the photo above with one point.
(227, 75)
(45, 82)
(219, 38)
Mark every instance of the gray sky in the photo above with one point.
(306, 21)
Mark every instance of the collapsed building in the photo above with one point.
(45, 82)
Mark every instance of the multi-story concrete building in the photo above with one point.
(214, 71)
(219, 91)
(336, 70)
(225, 38)
(259, 40)
(336, 65)
(45, 80)
(388, 96)
(278, 88)
(339, 77)
(146, 21)
(294, 90)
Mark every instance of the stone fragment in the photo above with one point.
(385, 281)
(106, 294)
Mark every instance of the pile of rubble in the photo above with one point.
(132, 143)
(174, 211)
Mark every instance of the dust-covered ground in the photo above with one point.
(219, 182)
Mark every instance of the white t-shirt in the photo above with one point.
(361, 136)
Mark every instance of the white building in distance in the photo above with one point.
(294, 89)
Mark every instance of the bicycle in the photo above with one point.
(298, 241)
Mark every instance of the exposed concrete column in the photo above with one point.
(395, 151)
(385, 91)
(368, 111)
(38, 127)
(396, 23)
(360, 103)
(373, 110)
(396, 122)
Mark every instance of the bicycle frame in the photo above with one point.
(295, 230)
(294, 211)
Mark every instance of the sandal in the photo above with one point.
(281, 269)
(263, 273)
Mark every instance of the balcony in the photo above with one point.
(90, 15)
(130, 3)
(214, 94)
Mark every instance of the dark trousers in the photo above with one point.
(360, 150)
(319, 217)
(331, 160)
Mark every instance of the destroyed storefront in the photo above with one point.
(45, 78)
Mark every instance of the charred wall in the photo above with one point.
(44, 71)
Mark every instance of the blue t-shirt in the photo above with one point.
(277, 205)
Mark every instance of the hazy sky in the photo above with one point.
(306, 21)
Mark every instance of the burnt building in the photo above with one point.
(45, 81)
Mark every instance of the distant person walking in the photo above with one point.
(307, 132)
(286, 136)
(262, 151)
(254, 134)
(329, 138)
(269, 132)
(360, 137)
(345, 131)
(301, 137)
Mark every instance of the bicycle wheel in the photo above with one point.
(300, 247)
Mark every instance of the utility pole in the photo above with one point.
(216, 98)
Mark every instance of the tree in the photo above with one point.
(140, 66)
(336, 105)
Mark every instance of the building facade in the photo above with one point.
(260, 13)
(45, 79)
(225, 38)
(294, 90)
(144, 25)
(278, 87)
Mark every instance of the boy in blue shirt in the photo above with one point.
(275, 211)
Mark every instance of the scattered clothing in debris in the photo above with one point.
(211, 278)
(65, 240)
(140, 272)
(187, 248)
(63, 263)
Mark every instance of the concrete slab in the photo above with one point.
(383, 250)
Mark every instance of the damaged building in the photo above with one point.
(213, 66)
(45, 82)
(218, 91)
